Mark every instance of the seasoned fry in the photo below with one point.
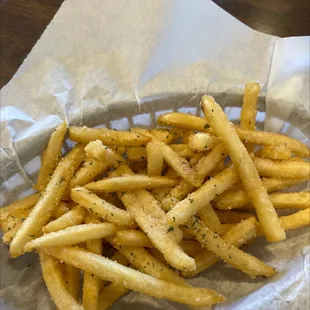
(100, 207)
(183, 150)
(229, 253)
(208, 216)
(132, 279)
(179, 164)
(257, 193)
(155, 159)
(137, 154)
(51, 157)
(159, 134)
(129, 238)
(73, 235)
(202, 142)
(191, 247)
(249, 109)
(282, 169)
(182, 120)
(293, 221)
(299, 200)
(72, 276)
(107, 136)
(279, 152)
(50, 198)
(91, 284)
(231, 217)
(10, 234)
(71, 218)
(186, 208)
(237, 235)
(237, 198)
(55, 284)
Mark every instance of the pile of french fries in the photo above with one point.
(170, 202)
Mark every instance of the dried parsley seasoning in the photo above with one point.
(171, 228)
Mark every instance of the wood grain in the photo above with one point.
(23, 21)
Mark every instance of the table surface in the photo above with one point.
(23, 21)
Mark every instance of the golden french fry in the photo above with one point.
(299, 200)
(107, 136)
(137, 154)
(49, 200)
(245, 168)
(237, 197)
(158, 255)
(249, 109)
(132, 279)
(208, 216)
(280, 152)
(72, 277)
(191, 247)
(186, 208)
(293, 221)
(179, 164)
(14, 219)
(10, 234)
(289, 169)
(61, 209)
(182, 120)
(202, 142)
(55, 283)
(237, 235)
(155, 159)
(100, 207)
(183, 150)
(162, 135)
(51, 157)
(71, 218)
(92, 284)
(129, 238)
(231, 217)
(229, 253)
(73, 235)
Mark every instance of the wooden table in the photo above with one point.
(23, 21)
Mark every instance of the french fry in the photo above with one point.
(278, 152)
(10, 234)
(132, 279)
(71, 218)
(208, 216)
(162, 135)
(129, 238)
(51, 157)
(61, 209)
(191, 247)
(299, 200)
(72, 276)
(232, 217)
(98, 150)
(55, 284)
(202, 142)
(179, 164)
(282, 169)
(155, 159)
(109, 137)
(186, 208)
(13, 219)
(249, 109)
(236, 236)
(183, 150)
(257, 193)
(73, 235)
(100, 207)
(111, 198)
(91, 284)
(293, 221)
(229, 253)
(137, 154)
(182, 120)
(158, 255)
(49, 200)
(237, 197)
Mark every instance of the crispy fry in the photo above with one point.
(51, 157)
(135, 280)
(299, 200)
(55, 284)
(54, 192)
(245, 168)
(209, 218)
(72, 276)
(182, 120)
(136, 153)
(249, 109)
(179, 164)
(278, 152)
(130, 182)
(159, 134)
(191, 247)
(73, 235)
(282, 169)
(107, 136)
(201, 142)
(229, 253)
(237, 235)
(155, 159)
(71, 218)
(183, 150)
(237, 198)
(129, 238)
(231, 217)
(201, 197)
(100, 207)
